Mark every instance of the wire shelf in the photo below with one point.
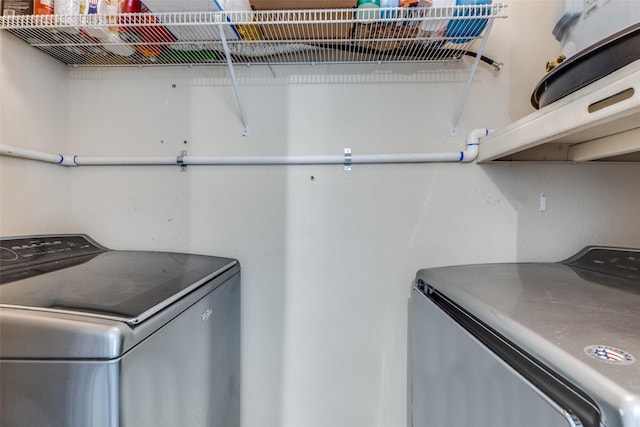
(433, 34)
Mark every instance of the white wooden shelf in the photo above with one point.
(600, 122)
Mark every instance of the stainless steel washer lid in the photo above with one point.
(100, 298)
(562, 315)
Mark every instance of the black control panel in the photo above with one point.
(611, 261)
(30, 251)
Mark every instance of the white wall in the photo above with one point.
(328, 256)
(33, 114)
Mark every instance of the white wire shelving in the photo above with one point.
(303, 36)
(260, 37)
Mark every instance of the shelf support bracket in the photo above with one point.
(467, 87)
(227, 54)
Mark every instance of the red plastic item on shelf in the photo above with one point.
(43, 7)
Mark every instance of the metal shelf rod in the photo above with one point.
(467, 87)
(234, 82)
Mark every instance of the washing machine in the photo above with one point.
(528, 344)
(113, 338)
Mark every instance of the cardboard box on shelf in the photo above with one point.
(187, 32)
(17, 7)
(304, 4)
(384, 37)
(302, 26)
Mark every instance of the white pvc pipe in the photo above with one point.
(30, 154)
(263, 160)
(124, 161)
(468, 155)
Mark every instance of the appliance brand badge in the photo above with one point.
(609, 354)
(206, 315)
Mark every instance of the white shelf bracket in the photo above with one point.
(467, 87)
(227, 54)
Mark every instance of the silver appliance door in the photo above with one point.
(458, 382)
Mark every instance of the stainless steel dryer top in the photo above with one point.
(58, 291)
(580, 318)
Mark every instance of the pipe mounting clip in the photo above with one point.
(180, 161)
(347, 159)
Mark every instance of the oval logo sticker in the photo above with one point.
(609, 354)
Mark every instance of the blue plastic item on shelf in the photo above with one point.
(465, 30)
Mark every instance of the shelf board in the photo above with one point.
(306, 36)
(599, 122)
(433, 34)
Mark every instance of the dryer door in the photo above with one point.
(459, 382)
